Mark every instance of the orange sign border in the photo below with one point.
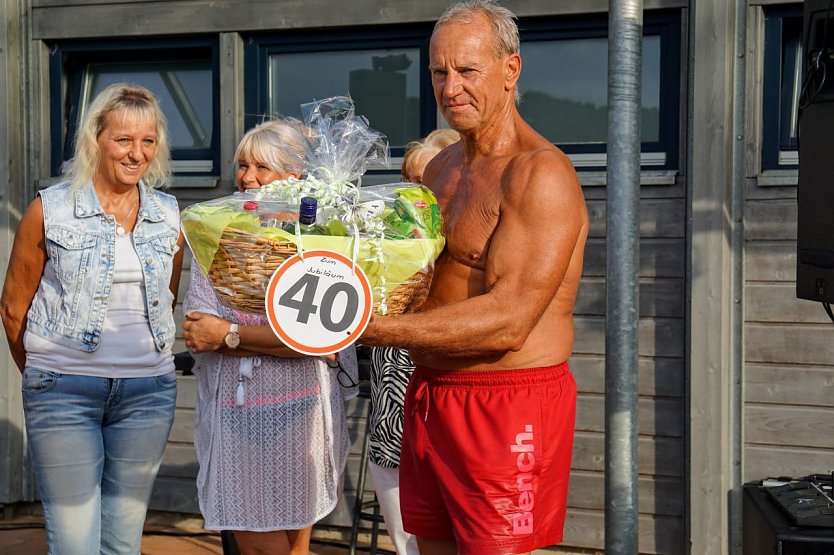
(273, 319)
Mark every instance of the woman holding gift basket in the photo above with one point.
(271, 432)
(88, 310)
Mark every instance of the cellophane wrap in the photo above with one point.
(394, 232)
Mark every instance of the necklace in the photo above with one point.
(120, 229)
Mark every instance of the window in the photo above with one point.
(563, 84)
(183, 74)
(564, 87)
(383, 71)
(782, 85)
(384, 85)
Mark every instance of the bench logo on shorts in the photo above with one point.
(525, 461)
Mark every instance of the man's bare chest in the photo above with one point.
(471, 217)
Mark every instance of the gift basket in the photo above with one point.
(393, 231)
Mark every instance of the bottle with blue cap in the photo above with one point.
(307, 219)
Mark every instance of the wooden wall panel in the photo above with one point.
(657, 496)
(172, 494)
(771, 221)
(659, 376)
(658, 416)
(183, 429)
(797, 426)
(789, 343)
(657, 336)
(662, 217)
(764, 461)
(770, 261)
(56, 19)
(776, 302)
(789, 367)
(658, 258)
(657, 456)
(662, 297)
(661, 535)
(789, 384)
(180, 461)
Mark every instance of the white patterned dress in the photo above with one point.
(272, 441)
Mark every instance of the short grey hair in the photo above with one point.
(502, 20)
(280, 144)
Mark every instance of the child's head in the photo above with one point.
(419, 153)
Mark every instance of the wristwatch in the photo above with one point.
(232, 338)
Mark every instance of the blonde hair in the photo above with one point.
(502, 21)
(436, 140)
(130, 100)
(280, 144)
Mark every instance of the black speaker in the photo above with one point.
(768, 531)
(815, 193)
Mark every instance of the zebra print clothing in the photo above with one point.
(391, 369)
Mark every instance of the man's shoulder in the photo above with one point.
(541, 153)
(541, 163)
(448, 159)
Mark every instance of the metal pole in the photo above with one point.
(736, 354)
(625, 61)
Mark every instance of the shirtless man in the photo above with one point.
(489, 412)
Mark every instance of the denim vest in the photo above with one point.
(72, 297)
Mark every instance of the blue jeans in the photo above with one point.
(96, 445)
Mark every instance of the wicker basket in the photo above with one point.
(244, 263)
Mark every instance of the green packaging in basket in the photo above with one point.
(415, 213)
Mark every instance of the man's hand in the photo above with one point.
(204, 332)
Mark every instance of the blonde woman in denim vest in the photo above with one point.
(87, 307)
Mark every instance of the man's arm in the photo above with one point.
(542, 217)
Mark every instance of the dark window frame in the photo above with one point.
(68, 64)
(261, 46)
(666, 25)
(779, 22)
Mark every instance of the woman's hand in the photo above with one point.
(204, 332)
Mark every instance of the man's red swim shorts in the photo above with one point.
(486, 457)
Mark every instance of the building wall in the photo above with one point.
(12, 477)
(788, 367)
(662, 348)
(725, 394)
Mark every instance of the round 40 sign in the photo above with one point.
(319, 304)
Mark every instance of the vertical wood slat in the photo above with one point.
(231, 106)
(709, 163)
(11, 421)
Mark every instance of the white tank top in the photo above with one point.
(127, 348)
